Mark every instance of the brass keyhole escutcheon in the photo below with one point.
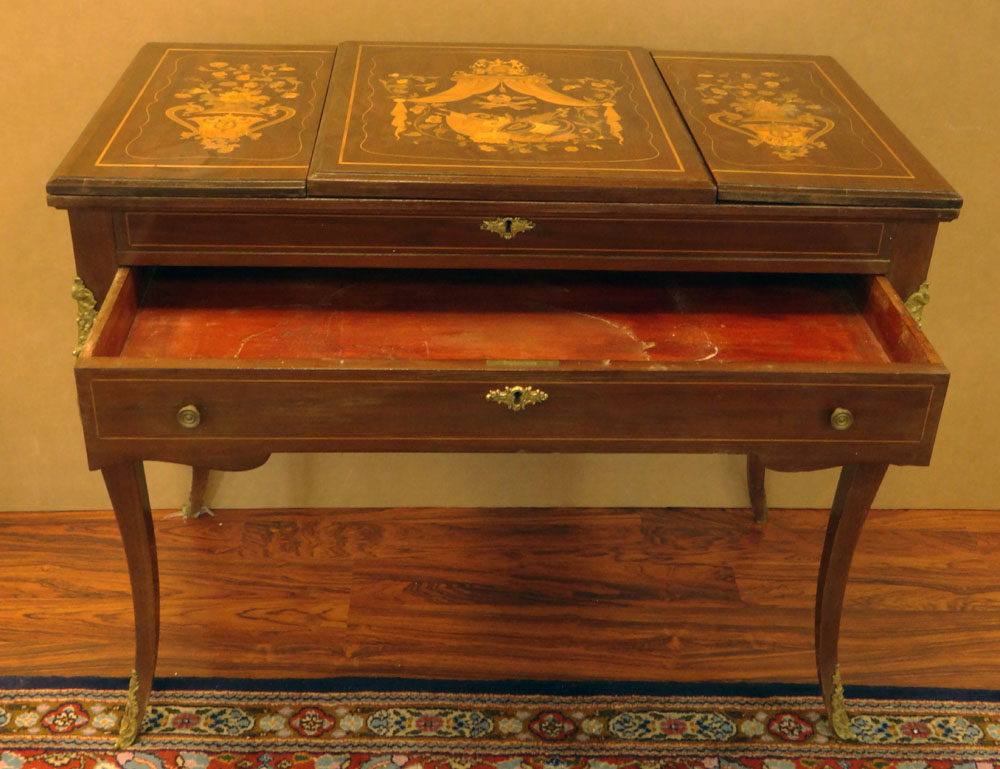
(507, 227)
(189, 417)
(841, 419)
(517, 397)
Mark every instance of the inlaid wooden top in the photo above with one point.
(495, 121)
(796, 129)
(201, 119)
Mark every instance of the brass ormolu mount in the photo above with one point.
(507, 227)
(517, 397)
(916, 302)
(129, 728)
(86, 311)
(839, 719)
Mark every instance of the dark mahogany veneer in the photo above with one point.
(420, 247)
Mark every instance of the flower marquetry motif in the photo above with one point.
(230, 103)
(761, 107)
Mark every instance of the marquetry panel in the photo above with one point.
(462, 118)
(796, 129)
(193, 118)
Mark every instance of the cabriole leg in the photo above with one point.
(855, 493)
(126, 484)
(195, 506)
(755, 487)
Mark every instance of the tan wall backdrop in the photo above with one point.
(931, 64)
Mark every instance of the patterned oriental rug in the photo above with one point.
(222, 724)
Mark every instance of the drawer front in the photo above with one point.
(145, 237)
(360, 410)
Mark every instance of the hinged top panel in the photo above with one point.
(204, 119)
(503, 122)
(796, 129)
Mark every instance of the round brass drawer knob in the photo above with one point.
(189, 416)
(841, 419)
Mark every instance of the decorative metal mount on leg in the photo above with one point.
(189, 513)
(86, 311)
(195, 507)
(839, 719)
(131, 718)
(916, 302)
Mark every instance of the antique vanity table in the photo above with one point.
(391, 247)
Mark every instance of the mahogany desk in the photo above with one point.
(495, 248)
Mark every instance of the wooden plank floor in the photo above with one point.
(628, 594)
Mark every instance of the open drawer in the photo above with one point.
(187, 364)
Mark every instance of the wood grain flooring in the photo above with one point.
(628, 594)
